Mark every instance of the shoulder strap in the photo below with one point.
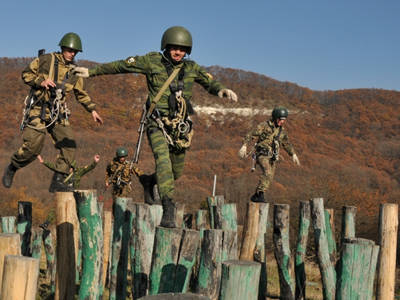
(51, 70)
(161, 91)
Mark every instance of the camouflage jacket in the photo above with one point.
(151, 65)
(39, 69)
(74, 178)
(266, 136)
(120, 173)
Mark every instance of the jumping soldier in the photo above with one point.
(119, 174)
(170, 79)
(73, 179)
(268, 137)
(50, 79)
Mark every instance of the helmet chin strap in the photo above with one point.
(168, 57)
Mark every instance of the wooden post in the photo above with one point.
(107, 223)
(10, 244)
(348, 222)
(304, 224)
(210, 264)
(356, 269)
(24, 226)
(201, 220)
(8, 224)
(67, 245)
(238, 278)
(388, 226)
(330, 235)
(37, 243)
(92, 236)
(120, 247)
(327, 270)
(20, 278)
(173, 296)
(214, 201)
(50, 258)
(250, 232)
(145, 219)
(225, 216)
(180, 212)
(282, 249)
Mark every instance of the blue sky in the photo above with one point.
(319, 44)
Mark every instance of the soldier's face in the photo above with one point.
(280, 122)
(68, 53)
(122, 159)
(177, 53)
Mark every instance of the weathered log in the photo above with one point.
(24, 226)
(50, 258)
(327, 270)
(8, 224)
(348, 222)
(214, 201)
(174, 296)
(20, 278)
(145, 220)
(67, 245)
(225, 216)
(330, 235)
(107, 223)
(304, 224)
(92, 236)
(250, 232)
(37, 242)
(388, 226)
(202, 220)
(120, 247)
(356, 269)
(282, 250)
(180, 212)
(10, 244)
(238, 280)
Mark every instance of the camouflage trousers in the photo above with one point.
(268, 171)
(169, 162)
(33, 141)
(122, 190)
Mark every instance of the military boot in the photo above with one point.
(58, 185)
(150, 189)
(258, 197)
(9, 175)
(168, 219)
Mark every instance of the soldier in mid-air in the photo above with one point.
(267, 139)
(170, 78)
(50, 79)
(119, 174)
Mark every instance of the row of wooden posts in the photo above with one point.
(209, 261)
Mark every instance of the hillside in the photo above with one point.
(347, 141)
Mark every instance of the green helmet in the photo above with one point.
(279, 113)
(122, 152)
(177, 35)
(71, 40)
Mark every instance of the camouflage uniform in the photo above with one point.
(268, 138)
(74, 178)
(61, 132)
(169, 159)
(119, 175)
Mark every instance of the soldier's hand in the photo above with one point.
(228, 94)
(107, 185)
(97, 118)
(39, 157)
(48, 83)
(296, 159)
(243, 151)
(81, 72)
(96, 158)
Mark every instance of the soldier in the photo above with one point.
(170, 79)
(50, 79)
(73, 180)
(268, 138)
(119, 172)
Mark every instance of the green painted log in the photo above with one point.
(330, 236)
(201, 219)
(145, 219)
(92, 235)
(229, 249)
(180, 212)
(120, 248)
(24, 226)
(348, 222)
(238, 280)
(37, 234)
(282, 250)
(8, 224)
(326, 267)
(174, 296)
(50, 258)
(214, 201)
(166, 251)
(225, 216)
(210, 264)
(356, 269)
(304, 225)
